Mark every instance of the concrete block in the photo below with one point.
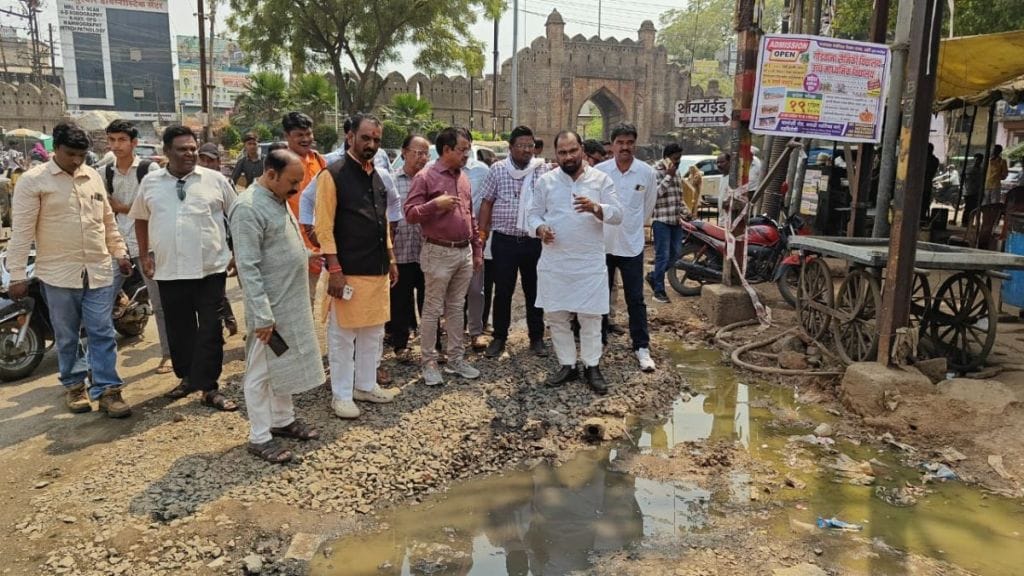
(726, 305)
(870, 389)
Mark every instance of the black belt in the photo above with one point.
(515, 237)
(446, 243)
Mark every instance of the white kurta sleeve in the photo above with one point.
(610, 206)
(538, 205)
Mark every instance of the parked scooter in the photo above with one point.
(768, 257)
(26, 331)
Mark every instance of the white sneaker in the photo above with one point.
(346, 409)
(463, 369)
(431, 375)
(643, 356)
(377, 395)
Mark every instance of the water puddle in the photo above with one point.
(550, 520)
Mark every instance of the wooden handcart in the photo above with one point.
(958, 320)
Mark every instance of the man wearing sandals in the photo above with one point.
(179, 218)
(271, 261)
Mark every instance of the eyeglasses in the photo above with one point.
(181, 190)
(524, 147)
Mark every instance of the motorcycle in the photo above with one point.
(768, 257)
(26, 331)
(946, 187)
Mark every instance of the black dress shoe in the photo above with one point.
(538, 348)
(592, 374)
(616, 329)
(565, 374)
(495, 348)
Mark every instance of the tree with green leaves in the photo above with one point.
(264, 100)
(853, 17)
(313, 94)
(412, 114)
(354, 39)
(704, 27)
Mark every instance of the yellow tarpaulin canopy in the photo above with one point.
(974, 64)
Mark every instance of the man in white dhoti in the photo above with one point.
(283, 356)
(569, 211)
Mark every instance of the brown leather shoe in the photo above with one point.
(479, 342)
(383, 377)
(113, 405)
(76, 399)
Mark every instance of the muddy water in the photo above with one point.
(549, 520)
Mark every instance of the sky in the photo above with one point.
(619, 20)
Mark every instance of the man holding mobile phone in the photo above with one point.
(271, 261)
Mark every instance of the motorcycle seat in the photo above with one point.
(716, 232)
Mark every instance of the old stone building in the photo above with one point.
(626, 80)
(28, 105)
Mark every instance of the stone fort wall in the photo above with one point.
(32, 106)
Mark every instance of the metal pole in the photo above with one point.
(990, 137)
(967, 155)
(866, 154)
(212, 53)
(515, 63)
(599, 18)
(204, 104)
(926, 25)
(747, 45)
(891, 128)
(53, 57)
(494, 84)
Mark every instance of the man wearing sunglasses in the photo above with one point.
(179, 216)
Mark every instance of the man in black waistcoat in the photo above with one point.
(352, 226)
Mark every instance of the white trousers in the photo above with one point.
(266, 410)
(354, 354)
(565, 343)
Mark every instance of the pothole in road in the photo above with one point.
(555, 520)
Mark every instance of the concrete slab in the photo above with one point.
(870, 389)
(725, 305)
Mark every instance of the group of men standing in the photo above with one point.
(390, 243)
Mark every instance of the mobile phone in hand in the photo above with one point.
(277, 344)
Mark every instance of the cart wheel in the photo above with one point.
(960, 322)
(815, 299)
(921, 299)
(857, 304)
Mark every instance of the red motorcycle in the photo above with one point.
(768, 257)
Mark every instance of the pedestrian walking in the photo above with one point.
(180, 217)
(668, 210)
(998, 170)
(570, 209)
(282, 354)
(352, 228)
(61, 206)
(441, 202)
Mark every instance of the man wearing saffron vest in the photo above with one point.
(351, 225)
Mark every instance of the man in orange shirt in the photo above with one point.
(298, 132)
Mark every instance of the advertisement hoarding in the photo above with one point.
(230, 74)
(117, 55)
(820, 87)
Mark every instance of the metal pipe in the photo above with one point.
(515, 63)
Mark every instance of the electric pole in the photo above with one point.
(515, 63)
(204, 105)
(212, 54)
(494, 83)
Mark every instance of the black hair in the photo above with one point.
(278, 159)
(70, 135)
(623, 129)
(408, 140)
(519, 131)
(465, 133)
(250, 136)
(606, 143)
(565, 133)
(449, 137)
(357, 121)
(296, 121)
(591, 147)
(347, 126)
(122, 127)
(979, 156)
(538, 143)
(173, 132)
(997, 149)
(670, 149)
(277, 146)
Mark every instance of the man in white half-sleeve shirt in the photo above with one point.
(570, 212)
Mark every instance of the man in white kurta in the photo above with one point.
(569, 211)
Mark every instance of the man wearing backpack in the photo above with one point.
(122, 177)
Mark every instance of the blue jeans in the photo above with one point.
(70, 310)
(631, 270)
(668, 246)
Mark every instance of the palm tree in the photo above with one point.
(409, 112)
(313, 94)
(265, 100)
